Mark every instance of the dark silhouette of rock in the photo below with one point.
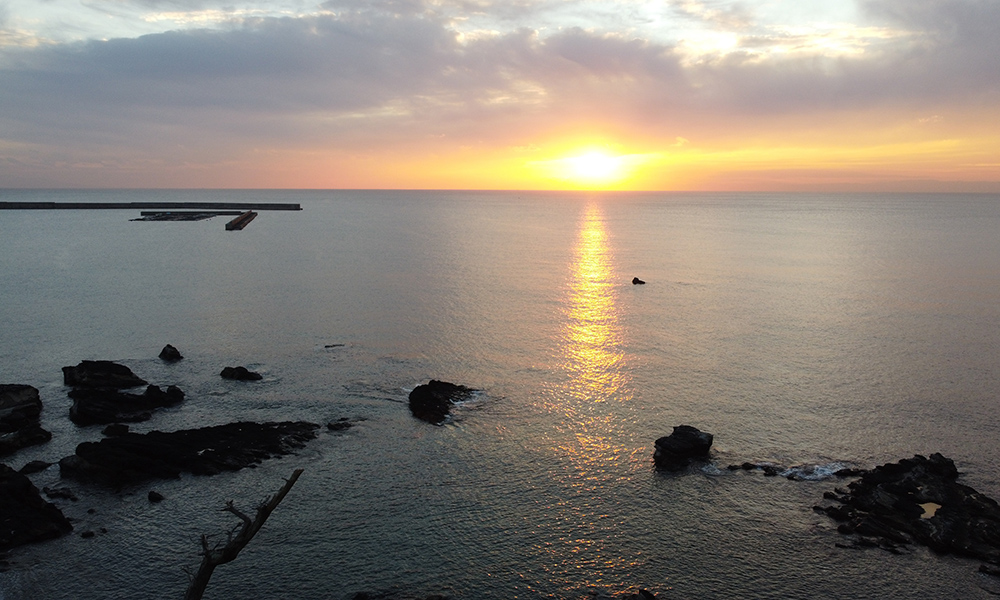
(60, 493)
(432, 401)
(154, 496)
(101, 374)
(20, 407)
(24, 516)
(102, 405)
(676, 451)
(637, 281)
(35, 466)
(115, 429)
(134, 457)
(240, 374)
(919, 500)
(170, 354)
(340, 424)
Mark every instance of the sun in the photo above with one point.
(585, 168)
(594, 166)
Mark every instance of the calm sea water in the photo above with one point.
(800, 329)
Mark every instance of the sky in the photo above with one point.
(786, 95)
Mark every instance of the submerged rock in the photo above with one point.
(676, 451)
(135, 457)
(20, 408)
(340, 424)
(115, 429)
(170, 354)
(240, 374)
(101, 374)
(34, 466)
(920, 500)
(432, 401)
(25, 517)
(102, 406)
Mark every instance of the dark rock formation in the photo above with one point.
(240, 374)
(60, 493)
(675, 451)
(134, 457)
(154, 496)
(35, 466)
(115, 429)
(340, 424)
(102, 405)
(919, 500)
(170, 354)
(101, 374)
(20, 407)
(637, 281)
(432, 401)
(24, 516)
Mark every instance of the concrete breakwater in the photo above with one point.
(240, 206)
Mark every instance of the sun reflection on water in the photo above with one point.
(591, 345)
(593, 394)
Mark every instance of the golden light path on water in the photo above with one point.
(592, 395)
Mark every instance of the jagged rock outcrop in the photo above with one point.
(432, 401)
(170, 354)
(24, 516)
(101, 406)
(134, 457)
(240, 374)
(676, 451)
(919, 500)
(101, 374)
(20, 407)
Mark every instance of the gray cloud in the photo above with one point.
(397, 73)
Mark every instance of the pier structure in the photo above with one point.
(200, 206)
(167, 211)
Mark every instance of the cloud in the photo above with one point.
(396, 74)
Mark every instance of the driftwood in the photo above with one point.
(215, 556)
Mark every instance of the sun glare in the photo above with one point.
(587, 169)
(595, 166)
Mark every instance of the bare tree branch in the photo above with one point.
(217, 556)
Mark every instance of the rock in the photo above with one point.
(637, 281)
(432, 401)
(35, 466)
(134, 457)
(101, 374)
(115, 429)
(920, 500)
(170, 354)
(87, 534)
(340, 424)
(20, 408)
(675, 451)
(240, 374)
(25, 517)
(154, 496)
(62, 493)
(102, 405)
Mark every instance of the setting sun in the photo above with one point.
(594, 166)
(590, 168)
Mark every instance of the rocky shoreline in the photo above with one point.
(122, 458)
(915, 501)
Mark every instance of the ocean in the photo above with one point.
(804, 330)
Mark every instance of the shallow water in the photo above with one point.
(799, 329)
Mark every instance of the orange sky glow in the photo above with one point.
(864, 95)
